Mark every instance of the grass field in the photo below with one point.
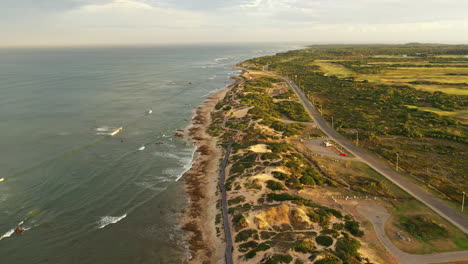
(461, 115)
(453, 80)
(455, 240)
(331, 68)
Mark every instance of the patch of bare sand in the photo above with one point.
(266, 129)
(240, 113)
(201, 180)
(283, 214)
(259, 148)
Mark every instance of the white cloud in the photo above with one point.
(152, 21)
(116, 5)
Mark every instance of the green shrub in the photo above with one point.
(338, 226)
(305, 246)
(275, 186)
(262, 247)
(278, 147)
(293, 110)
(279, 175)
(324, 240)
(267, 235)
(238, 199)
(328, 261)
(278, 258)
(353, 228)
(244, 247)
(239, 221)
(282, 197)
(423, 227)
(347, 248)
(307, 180)
(246, 234)
(270, 156)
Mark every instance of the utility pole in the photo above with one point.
(333, 125)
(397, 156)
(357, 137)
(463, 202)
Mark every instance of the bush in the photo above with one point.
(279, 175)
(247, 245)
(293, 110)
(238, 199)
(307, 180)
(282, 197)
(270, 156)
(324, 240)
(278, 258)
(353, 228)
(423, 227)
(239, 221)
(347, 248)
(262, 247)
(246, 234)
(267, 235)
(328, 261)
(305, 246)
(275, 186)
(338, 226)
(278, 147)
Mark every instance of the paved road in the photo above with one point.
(378, 215)
(227, 226)
(379, 165)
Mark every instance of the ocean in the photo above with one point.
(89, 163)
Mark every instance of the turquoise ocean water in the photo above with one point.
(84, 195)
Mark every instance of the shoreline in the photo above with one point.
(201, 185)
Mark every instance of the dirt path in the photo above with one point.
(378, 215)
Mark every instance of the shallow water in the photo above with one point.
(88, 196)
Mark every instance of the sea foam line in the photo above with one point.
(107, 220)
(188, 166)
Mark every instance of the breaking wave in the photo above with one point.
(108, 220)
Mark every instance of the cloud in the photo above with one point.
(152, 21)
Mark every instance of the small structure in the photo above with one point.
(326, 143)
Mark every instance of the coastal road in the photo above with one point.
(224, 205)
(441, 208)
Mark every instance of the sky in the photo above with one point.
(125, 22)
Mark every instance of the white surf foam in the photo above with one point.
(9, 233)
(167, 155)
(187, 166)
(115, 132)
(221, 59)
(108, 220)
(103, 129)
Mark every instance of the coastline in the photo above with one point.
(201, 185)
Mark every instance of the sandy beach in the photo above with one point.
(201, 184)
